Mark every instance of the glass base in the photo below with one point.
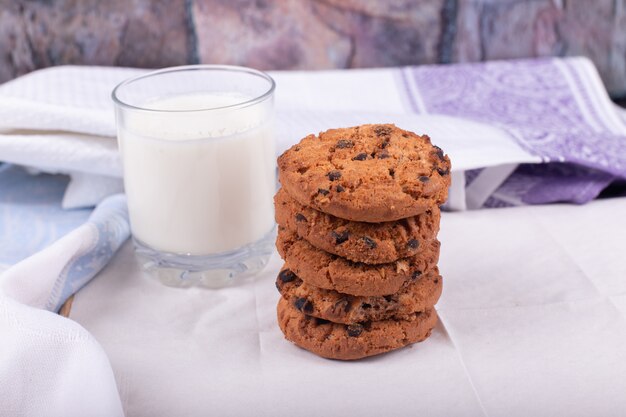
(211, 271)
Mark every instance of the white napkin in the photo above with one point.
(49, 365)
(492, 119)
(60, 120)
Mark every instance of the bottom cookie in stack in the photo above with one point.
(353, 341)
(341, 326)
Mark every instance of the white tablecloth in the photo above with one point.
(533, 323)
(533, 306)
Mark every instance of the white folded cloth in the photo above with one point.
(49, 365)
(493, 119)
(48, 278)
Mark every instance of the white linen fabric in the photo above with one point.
(49, 365)
(48, 278)
(532, 317)
(490, 118)
(533, 323)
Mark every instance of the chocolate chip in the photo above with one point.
(383, 155)
(334, 175)
(340, 237)
(369, 242)
(360, 157)
(354, 330)
(277, 286)
(382, 130)
(300, 217)
(388, 298)
(424, 178)
(322, 191)
(319, 322)
(343, 304)
(443, 172)
(287, 275)
(384, 144)
(436, 281)
(304, 305)
(344, 143)
(366, 306)
(439, 153)
(416, 275)
(413, 243)
(340, 189)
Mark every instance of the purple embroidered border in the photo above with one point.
(536, 104)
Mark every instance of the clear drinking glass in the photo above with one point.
(197, 146)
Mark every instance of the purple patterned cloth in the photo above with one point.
(556, 109)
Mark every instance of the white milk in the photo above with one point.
(199, 182)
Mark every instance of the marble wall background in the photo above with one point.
(309, 34)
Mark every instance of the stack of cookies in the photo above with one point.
(358, 216)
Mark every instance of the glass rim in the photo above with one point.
(196, 67)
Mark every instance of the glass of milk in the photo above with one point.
(197, 146)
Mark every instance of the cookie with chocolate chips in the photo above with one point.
(371, 243)
(418, 295)
(354, 341)
(368, 173)
(324, 270)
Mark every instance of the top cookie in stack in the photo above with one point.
(358, 216)
(369, 173)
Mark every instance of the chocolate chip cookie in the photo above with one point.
(325, 270)
(354, 341)
(418, 295)
(368, 173)
(371, 243)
